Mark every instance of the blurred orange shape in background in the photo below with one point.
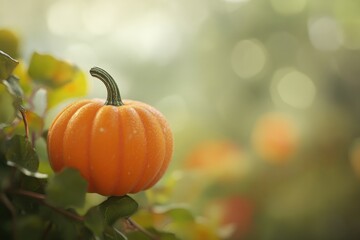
(217, 158)
(275, 138)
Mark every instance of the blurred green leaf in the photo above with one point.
(30, 224)
(5, 176)
(117, 207)
(20, 151)
(7, 110)
(100, 218)
(66, 189)
(94, 220)
(181, 214)
(63, 227)
(26, 172)
(25, 81)
(12, 84)
(9, 42)
(7, 65)
(50, 71)
(76, 88)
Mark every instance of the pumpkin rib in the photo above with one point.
(92, 183)
(157, 118)
(120, 150)
(134, 153)
(154, 147)
(119, 180)
(103, 149)
(76, 138)
(145, 139)
(136, 187)
(55, 144)
(167, 135)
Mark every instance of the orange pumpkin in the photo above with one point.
(119, 147)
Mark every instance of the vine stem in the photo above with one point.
(135, 225)
(41, 199)
(47, 230)
(23, 115)
(12, 210)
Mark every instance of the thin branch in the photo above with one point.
(23, 114)
(46, 231)
(41, 199)
(135, 225)
(12, 210)
(64, 212)
(34, 195)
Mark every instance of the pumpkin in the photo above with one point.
(118, 146)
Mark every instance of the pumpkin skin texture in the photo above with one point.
(118, 149)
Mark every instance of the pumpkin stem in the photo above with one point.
(113, 94)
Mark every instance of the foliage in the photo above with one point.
(35, 205)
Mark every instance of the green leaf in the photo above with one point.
(62, 227)
(66, 189)
(76, 88)
(12, 84)
(94, 220)
(181, 215)
(30, 224)
(7, 110)
(176, 213)
(26, 172)
(7, 65)
(118, 207)
(25, 81)
(100, 217)
(5, 177)
(50, 71)
(20, 151)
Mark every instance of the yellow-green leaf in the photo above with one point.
(7, 65)
(50, 71)
(7, 110)
(24, 79)
(77, 88)
(66, 189)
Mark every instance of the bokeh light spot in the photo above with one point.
(288, 7)
(248, 58)
(325, 34)
(293, 88)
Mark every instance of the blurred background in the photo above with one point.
(263, 97)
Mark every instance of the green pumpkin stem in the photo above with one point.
(113, 93)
